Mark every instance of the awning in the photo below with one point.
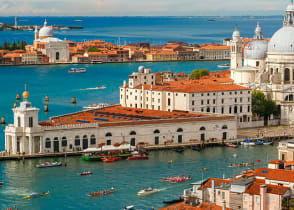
(111, 148)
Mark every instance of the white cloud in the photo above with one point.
(140, 7)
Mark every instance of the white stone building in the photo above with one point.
(57, 50)
(269, 66)
(216, 95)
(110, 125)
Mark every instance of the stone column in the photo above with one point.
(22, 144)
(6, 143)
(41, 144)
(14, 146)
(30, 144)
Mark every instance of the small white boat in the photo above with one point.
(149, 191)
(248, 142)
(129, 207)
(96, 106)
(224, 65)
(77, 70)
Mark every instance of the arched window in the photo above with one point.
(77, 141)
(156, 131)
(133, 133)
(108, 134)
(207, 109)
(85, 142)
(18, 122)
(287, 75)
(290, 97)
(64, 141)
(92, 139)
(57, 56)
(180, 130)
(235, 109)
(225, 127)
(202, 129)
(47, 143)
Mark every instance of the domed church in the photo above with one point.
(57, 50)
(268, 66)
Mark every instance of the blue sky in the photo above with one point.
(141, 7)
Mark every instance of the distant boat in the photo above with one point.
(36, 195)
(195, 148)
(79, 20)
(49, 165)
(180, 199)
(77, 70)
(211, 20)
(129, 207)
(224, 65)
(268, 143)
(96, 106)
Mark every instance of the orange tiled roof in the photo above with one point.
(194, 86)
(289, 163)
(214, 47)
(276, 161)
(12, 55)
(217, 182)
(275, 174)
(118, 115)
(254, 189)
(202, 206)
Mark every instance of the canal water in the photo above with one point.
(68, 190)
(60, 86)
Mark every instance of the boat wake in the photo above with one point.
(17, 192)
(95, 88)
(162, 189)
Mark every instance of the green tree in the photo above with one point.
(196, 45)
(198, 73)
(6, 45)
(263, 107)
(93, 49)
(13, 46)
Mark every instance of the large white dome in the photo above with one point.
(282, 41)
(256, 49)
(46, 31)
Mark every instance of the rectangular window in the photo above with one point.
(201, 102)
(158, 100)
(168, 101)
(158, 107)
(222, 110)
(241, 109)
(30, 122)
(213, 101)
(248, 108)
(192, 103)
(207, 101)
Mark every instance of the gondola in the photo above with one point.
(86, 173)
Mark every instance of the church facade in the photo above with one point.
(57, 50)
(268, 66)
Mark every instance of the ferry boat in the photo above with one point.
(36, 195)
(97, 106)
(149, 191)
(77, 70)
(48, 165)
(86, 173)
(227, 65)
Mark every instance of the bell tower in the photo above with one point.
(236, 50)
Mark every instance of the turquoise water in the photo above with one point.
(60, 86)
(68, 190)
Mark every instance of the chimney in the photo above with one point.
(224, 205)
(213, 191)
(263, 200)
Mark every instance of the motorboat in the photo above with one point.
(96, 106)
(86, 173)
(77, 70)
(227, 65)
(195, 148)
(231, 145)
(177, 200)
(36, 195)
(102, 193)
(100, 87)
(258, 142)
(138, 157)
(48, 165)
(149, 191)
(111, 159)
(129, 207)
(171, 161)
(248, 142)
(268, 143)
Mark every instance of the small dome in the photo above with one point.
(282, 41)
(26, 94)
(141, 69)
(256, 49)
